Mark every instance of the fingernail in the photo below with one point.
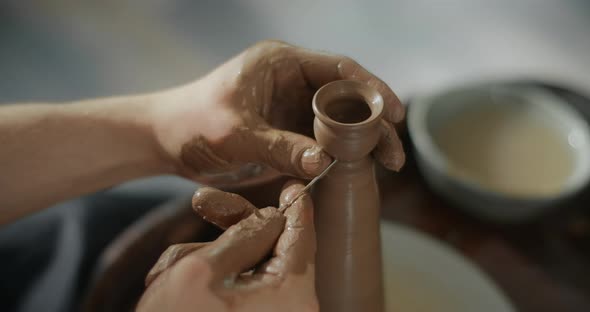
(314, 160)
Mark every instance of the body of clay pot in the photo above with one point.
(348, 259)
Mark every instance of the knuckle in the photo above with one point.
(347, 60)
(348, 67)
(234, 231)
(174, 249)
(271, 45)
(376, 83)
(194, 265)
(267, 42)
(170, 255)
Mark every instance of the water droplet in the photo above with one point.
(574, 139)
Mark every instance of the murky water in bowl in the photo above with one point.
(505, 150)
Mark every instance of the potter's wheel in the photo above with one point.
(421, 274)
(424, 275)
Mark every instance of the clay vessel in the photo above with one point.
(348, 268)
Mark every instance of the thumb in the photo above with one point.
(291, 153)
(244, 244)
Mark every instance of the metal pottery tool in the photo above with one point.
(282, 208)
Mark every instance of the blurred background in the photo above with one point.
(59, 50)
(62, 50)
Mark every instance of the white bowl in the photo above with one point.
(426, 112)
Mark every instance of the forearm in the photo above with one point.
(51, 153)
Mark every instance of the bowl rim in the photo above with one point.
(428, 151)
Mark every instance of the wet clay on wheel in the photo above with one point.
(348, 268)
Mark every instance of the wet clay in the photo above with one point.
(221, 208)
(247, 240)
(249, 231)
(290, 236)
(348, 258)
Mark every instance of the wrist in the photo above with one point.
(129, 121)
(175, 119)
(141, 115)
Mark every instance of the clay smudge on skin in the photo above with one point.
(294, 252)
(239, 248)
(389, 150)
(314, 159)
(303, 191)
(248, 241)
(221, 208)
(298, 227)
(171, 257)
(201, 156)
(197, 154)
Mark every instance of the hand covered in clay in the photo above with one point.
(230, 273)
(256, 108)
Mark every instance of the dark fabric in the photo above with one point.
(46, 259)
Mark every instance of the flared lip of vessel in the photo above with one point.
(341, 89)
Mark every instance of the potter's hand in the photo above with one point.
(212, 276)
(257, 108)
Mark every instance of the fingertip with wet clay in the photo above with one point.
(395, 111)
(291, 153)
(390, 151)
(221, 208)
(314, 160)
(320, 68)
(290, 189)
(244, 244)
(300, 212)
(296, 247)
(270, 212)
